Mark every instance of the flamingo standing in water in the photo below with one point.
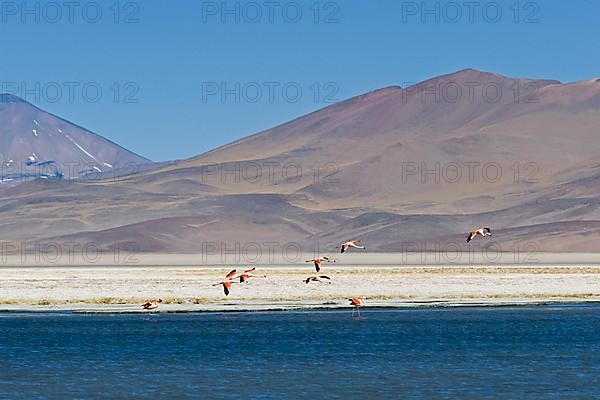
(249, 273)
(227, 282)
(315, 278)
(151, 304)
(480, 231)
(319, 261)
(357, 302)
(351, 243)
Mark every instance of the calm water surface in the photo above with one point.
(537, 352)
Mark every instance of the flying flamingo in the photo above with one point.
(319, 261)
(151, 304)
(351, 243)
(480, 231)
(249, 273)
(315, 278)
(357, 302)
(227, 281)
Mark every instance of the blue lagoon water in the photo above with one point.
(548, 352)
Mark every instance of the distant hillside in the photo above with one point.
(35, 144)
(418, 164)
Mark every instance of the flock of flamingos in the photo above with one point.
(233, 277)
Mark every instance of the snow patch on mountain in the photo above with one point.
(81, 148)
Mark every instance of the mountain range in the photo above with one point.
(421, 165)
(35, 144)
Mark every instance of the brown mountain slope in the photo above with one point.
(392, 166)
(379, 146)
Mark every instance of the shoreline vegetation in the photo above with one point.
(187, 288)
(131, 306)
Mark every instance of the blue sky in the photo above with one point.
(150, 74)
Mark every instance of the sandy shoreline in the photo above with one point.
(188, 289)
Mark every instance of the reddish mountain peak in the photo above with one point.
(474, 75)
